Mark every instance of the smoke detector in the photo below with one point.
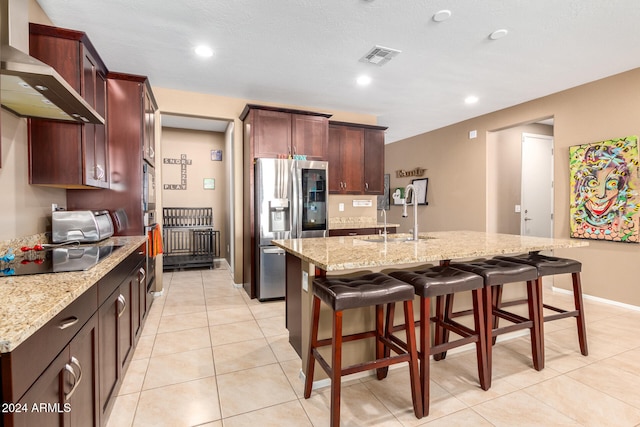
(379, 55)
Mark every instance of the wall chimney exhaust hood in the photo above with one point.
(29, 87)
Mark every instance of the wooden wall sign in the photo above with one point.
(414, 172)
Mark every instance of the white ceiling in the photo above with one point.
(306, 52)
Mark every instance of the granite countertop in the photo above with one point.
(346, 253)
(28, 302)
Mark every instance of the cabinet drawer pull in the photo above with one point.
(68, 322)
(122, 301)
(353, 234)
(143, 273)
(366, 185)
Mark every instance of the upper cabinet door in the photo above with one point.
(373, 161)
(346, 158)
(310, 136)
(62, 154)
(272, 134)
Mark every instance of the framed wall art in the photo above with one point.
(604, 200)
(421, 190)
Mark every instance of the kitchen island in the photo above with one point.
(307, 258)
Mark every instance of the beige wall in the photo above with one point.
(456, 167)
(197, 145)
(26, 209)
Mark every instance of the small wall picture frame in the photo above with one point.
(216, 155)
(421, 190)
(209, 184)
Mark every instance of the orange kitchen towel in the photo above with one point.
(155, 240)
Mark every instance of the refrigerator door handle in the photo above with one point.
(296, 201)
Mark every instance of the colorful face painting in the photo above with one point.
(604, 190)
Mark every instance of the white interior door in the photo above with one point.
(536, 217)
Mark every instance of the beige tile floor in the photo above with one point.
(210, 356)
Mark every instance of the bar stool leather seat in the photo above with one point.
(551, 266)
(438, 282)
(343, 293)
(497, 273)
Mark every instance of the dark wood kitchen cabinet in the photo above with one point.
(356, 158)
(66, 394)
(61, 154)
(273, 132)
(374, 161)
(118, 326)
(346, 159)
(131, 122)
(57, 366)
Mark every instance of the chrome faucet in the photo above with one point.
(383, 213)
(411, 188)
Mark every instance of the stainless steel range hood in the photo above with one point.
(29, 87)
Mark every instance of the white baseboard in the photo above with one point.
(598, 299)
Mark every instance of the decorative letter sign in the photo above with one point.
(183, 162)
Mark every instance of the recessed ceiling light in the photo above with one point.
(471, 99)
(442, 15)
(363, 80)
(498, 34)
(204, 51)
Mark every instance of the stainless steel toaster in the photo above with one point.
(81, 226)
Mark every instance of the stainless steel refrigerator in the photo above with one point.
(291, 202)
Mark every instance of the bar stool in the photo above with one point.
(497, 273)
(551, 266)
(342, 293)
(438, 282)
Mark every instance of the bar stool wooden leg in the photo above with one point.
(481, 345)
(539, 289)
(497, 302)
(382, 350)
(577, 299)
(425, 352)
(381, 373)
(487, 303)
(444, 309)
(336, 368)
(533, 290)
(414, 376)
(311, 360)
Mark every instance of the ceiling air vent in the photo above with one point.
(379, 55)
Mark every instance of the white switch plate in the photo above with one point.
(362, 203)
(341, 207)
(517, 208)
(473, 134)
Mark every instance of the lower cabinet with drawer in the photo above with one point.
(68, 372)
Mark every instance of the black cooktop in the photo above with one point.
(55, 260)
